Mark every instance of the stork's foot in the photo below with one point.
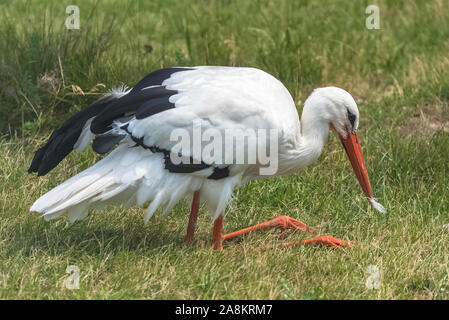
(318, 241)
(281, 222)
(328, 241)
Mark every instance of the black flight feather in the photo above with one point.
(154, 106)
(157, 77)
(62, 140)
(106, 142)
(126, 105)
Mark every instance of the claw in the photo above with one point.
(330, 241)
(286, 222)
(319, 241)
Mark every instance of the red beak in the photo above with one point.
(355, 155)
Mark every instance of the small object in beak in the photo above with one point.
(376, 205)
(355, 155)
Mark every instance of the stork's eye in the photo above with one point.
(351, 118)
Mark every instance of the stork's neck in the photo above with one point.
(310, 140)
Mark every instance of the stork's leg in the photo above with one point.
(193, 216)
(217, 236)
(285, 222)
(282, 222)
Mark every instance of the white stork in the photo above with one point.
(137, 124)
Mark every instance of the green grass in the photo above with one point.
(399, 76)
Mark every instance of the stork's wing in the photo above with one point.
(79, 130)
(219, 98)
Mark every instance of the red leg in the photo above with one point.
(217, 236)
(193, 216)
(282, 222)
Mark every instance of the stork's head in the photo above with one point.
(338, 108)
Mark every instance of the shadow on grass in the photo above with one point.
(95, 235)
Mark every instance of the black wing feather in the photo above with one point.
(157, 77)
(126, 105)
(154, 106)
(62, 140)
(129, 103)
(106, 142)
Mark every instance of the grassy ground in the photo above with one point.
(399, 76)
